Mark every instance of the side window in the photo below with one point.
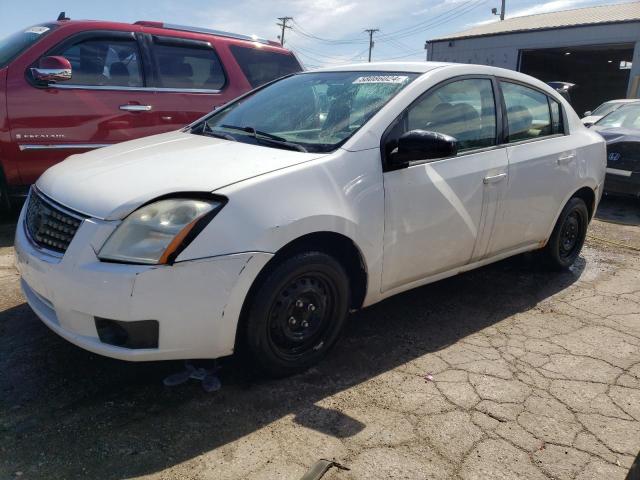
(188, 66)
(464, 109)
(105, 62)
(261, 66)
(528, 113)
(557, 125)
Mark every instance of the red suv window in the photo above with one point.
(105, 62)
(188, 64)
(260, 66)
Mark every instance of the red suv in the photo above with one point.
(70, 86)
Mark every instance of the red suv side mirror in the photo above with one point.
(52, 70)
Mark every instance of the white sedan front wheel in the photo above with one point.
(297, 313)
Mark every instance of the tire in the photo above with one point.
(568, 235)
(296, 314)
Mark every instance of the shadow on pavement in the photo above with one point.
(623, 210)
(8, 227)
(67, 413)
(634, 471)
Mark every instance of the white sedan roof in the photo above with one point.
(425, 67)
(417, 67)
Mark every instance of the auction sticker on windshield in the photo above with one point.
(37, 30)
(381, 79)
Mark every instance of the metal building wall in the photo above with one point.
(503, 50)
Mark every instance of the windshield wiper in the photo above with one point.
(255, 132)
(210, 132)
(269, 137)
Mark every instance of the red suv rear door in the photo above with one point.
(190, 75)
(106, 101)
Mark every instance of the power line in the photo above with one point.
(413, 54)
(371, 31)
(318, 56)
(392, 38)
(315, 53)
(306, 57)
(301, 31)
(314, 59)
(438, 20)
(397, 44)
(359, 54)
(421, 26)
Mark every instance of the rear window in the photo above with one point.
(194, 65)
(14, 45)
(261, 66)
(528, 112)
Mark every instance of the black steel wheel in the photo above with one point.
(568, 235)
(296, 313)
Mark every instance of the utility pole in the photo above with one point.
(371, 31)
(502, 10)
(284, 26)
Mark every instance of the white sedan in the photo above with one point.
(263, 224)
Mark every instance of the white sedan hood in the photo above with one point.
(111, 182)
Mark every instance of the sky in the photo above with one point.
(324, 32)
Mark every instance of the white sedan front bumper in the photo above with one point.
(196, 303)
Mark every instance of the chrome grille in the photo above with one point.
(49, 225)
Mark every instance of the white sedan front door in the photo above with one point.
(441, 214)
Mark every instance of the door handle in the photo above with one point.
(136, 108)
(495, 178)
(564, 159)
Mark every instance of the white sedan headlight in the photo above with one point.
(157, 232)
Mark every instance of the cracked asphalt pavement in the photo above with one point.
(505, 372)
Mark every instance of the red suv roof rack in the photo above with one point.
(210, 31)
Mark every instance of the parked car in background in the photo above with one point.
(591, 117)
(621, 130)
(71, 86)
(264, 223)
